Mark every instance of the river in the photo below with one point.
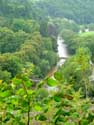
(62, 51)
(63, 55)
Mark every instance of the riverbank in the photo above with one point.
(62, 54)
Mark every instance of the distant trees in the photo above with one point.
(24, 37)
(10, 64)
(41, 9)
(10, 41)
(27, 48)
(15, 8)
(27, 26)
(5, 75)
(40, 52)
(75, 40)
(69, 37)
(79, 11)
(65, 24)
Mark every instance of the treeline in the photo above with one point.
(77, 10)
(24, 40)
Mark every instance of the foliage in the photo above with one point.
(10, 41)
(76, 40)
(23, 37)
(10, 64)
(77, 71)
(28, 47)
(68, 9)
(20, 103)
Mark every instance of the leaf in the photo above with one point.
(90, 116)
(66, 112)
(28, 83)
(84, 122)
(38, 107)
(46, 110)
(17, 81)
(58, 113)
(41, 117)
(30, 92)
(57, 98)
(20, 91)
(25, 104)
(65, 102)
(1, 81)
(85, 107)
(58, 119)
(75, 115)
(77, 95)
(52, 82)
(58, 75)
(5, 93)
(69, 123)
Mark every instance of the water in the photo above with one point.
(62, 51)
(63, 55)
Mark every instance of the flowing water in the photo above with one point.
(62, 51)
(63, 55)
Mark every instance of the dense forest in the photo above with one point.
(33, 89)
(23, 41)
(79, 10)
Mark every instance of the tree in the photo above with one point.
(5, 75)
(28, 26)
(10, 64)
(11, 41)
(77, 70)
(44, 66)
(19, 100)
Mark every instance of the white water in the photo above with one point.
(62, 51)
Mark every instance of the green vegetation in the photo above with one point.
(22, 38)
(75, 40)
(28, 53)
(70, 104)
(77, 10)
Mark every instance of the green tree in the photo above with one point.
(77, 70)
(10, 63)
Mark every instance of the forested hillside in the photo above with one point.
(39, 86)
(79, 10)
(23, 40)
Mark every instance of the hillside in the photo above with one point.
(38, 84)
(79, 10)
(23, 42)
